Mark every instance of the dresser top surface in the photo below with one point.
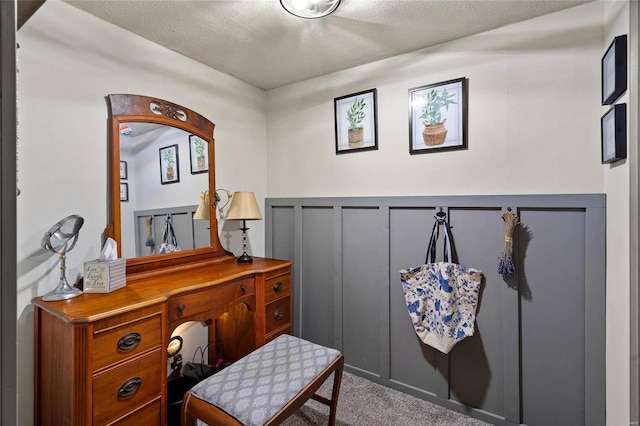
(144, 290)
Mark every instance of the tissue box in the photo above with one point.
(104, 276)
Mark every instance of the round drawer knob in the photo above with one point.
(129, 387)
(277, 287)
(181, 308)
(278, 314)
(129, 341)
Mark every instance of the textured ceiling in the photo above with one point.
(258, 42)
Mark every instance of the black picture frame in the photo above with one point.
(124, 191)
(198, 155)
(123, 170)
(613, 134)
(438, 116)
(169, 164)
(614, 70)
(350, 111)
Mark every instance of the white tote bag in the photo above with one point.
(442, 297)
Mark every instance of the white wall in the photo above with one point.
(533, 118)
(534, 110)
(618, 187)
(68, 62)
(534, 127)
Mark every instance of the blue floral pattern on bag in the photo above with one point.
(442, 299)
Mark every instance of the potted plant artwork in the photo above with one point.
(355, 115)
(199, 149)
(170, 162)
(435, 132)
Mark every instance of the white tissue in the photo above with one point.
(109, 250)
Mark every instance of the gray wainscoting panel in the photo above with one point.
(281, 233)
(551, 256)
(537, 356)
(476, 370)
(361, 282)
(416, 365)
(279, 236)
(316, 309)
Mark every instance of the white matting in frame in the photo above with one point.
(438, 117)
(355, 122)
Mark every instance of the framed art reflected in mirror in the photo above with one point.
(158, 136)
(198, 155)
(169, 164)
(124, 192)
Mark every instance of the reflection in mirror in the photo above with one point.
(161, 159)
(165, 174)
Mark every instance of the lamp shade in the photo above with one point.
(203, 212)
(244, 206)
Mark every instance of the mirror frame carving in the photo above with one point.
(125, 108)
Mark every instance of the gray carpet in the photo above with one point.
(365, 403)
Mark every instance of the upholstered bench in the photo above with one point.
(266, 386)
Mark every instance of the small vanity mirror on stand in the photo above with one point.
(161, 159)
(61, 238)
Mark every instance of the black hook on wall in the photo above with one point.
(441, 215)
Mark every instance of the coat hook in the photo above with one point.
(441, 215)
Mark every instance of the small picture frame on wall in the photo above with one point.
(614, 70)
(613, 129)
(123, 170)
(356, 122)
(199, 154)
(438, 117)
(169, 165)
(124, 192)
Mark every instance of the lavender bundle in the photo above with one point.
(149, 243)
(506, 267)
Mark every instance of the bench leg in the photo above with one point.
(333, 408)
(333, 402)
(187, 418)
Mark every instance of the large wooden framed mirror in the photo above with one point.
(161, 161)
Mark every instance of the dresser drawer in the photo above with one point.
(147, 415)
(277, 287)
(278, 313)
(214, 297)
(119, 343)
(123, 389)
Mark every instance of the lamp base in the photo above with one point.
(245, 258)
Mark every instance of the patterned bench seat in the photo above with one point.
(266, 386)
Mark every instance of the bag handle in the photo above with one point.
(168, 233)
(435, 234)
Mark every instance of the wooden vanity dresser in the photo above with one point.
(101, 359)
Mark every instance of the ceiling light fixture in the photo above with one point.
(310, 9)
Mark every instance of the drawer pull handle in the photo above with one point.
(277, 287)
(129, 341)
(278, 314)
(130, 387)
(243, 289)
(181, 308)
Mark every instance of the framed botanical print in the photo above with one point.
(123, 170)
(356, 122)
(169, 165)
(199, 154)
(438, 117)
